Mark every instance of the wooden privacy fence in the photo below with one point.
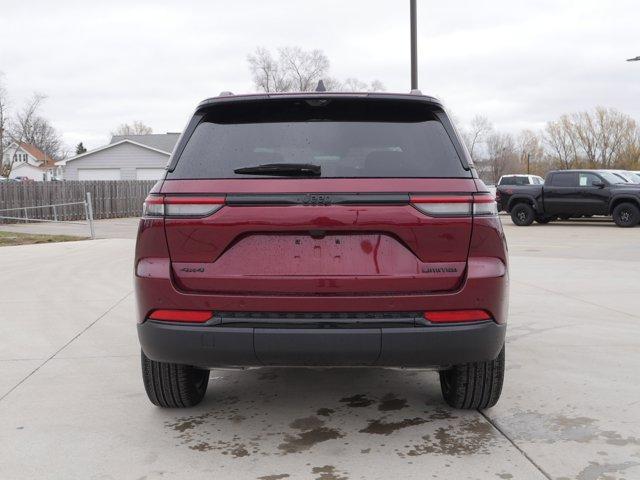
(111, 199)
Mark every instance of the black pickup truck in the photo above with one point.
(572, 194)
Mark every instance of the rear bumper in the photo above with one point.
(210, 346)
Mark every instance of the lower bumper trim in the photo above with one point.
(209, 346)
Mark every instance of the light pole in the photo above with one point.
(414, 45)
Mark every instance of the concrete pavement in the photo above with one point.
(108, 228)
(72, 403)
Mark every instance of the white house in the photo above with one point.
(28, 161)
(126, 157)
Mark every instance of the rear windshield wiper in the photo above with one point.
(282, 169)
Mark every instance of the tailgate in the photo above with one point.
(318, 242)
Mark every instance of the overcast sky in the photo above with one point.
(520, 63)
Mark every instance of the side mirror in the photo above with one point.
(598, 184)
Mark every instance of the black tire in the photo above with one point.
(522, 214)
(171, 385)
(626, 215)
(473, 385)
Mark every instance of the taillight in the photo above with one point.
(484, 205)
(455, 205)
(188, 316)
(456, 316)
(179, 206)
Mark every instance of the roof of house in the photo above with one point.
(39, 155)
(159, 141)
(34, 151)
(162, 143)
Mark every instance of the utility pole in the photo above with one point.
(414, 45)
(528, 163)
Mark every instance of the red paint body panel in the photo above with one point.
(276, 283)
(270, 249)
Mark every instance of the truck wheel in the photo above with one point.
(171, 385)
(473, 385)
(626, 215)
(522, 214)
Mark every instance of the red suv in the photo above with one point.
(321, 229)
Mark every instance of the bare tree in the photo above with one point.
(629, 155)
(299, 70)
(502, 157)
(531, 152)
(355, 85)
(582, 128)
(605, 138)
(615, 131)
(476, 134)
(4, 113)
(304, 68)
(29, 127)
(560, 139)
(267, 73)
(41, 134)
(377, 86)
(136, 128)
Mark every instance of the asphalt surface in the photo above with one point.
(72, 403)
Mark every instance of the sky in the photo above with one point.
(520, 63)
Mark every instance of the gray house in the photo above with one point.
(126, 157)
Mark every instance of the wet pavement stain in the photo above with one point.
(471, 437)
(237, 419)
(357, 401)
(220, 429)
(506, 476)
(307, 423)
(186, 425)
(595, 471)
(312, 432)
(380, 427)
(534, 426)
(390, 402)
(279, 476)
(324, 412)
(201, 447)
(328, 472)
(235, 450)
(267, 375)
(440, 414)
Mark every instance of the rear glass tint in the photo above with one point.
(346, 138)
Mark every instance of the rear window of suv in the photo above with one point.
(347, 138)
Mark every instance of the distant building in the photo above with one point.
(126, 157)
(29, 161)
